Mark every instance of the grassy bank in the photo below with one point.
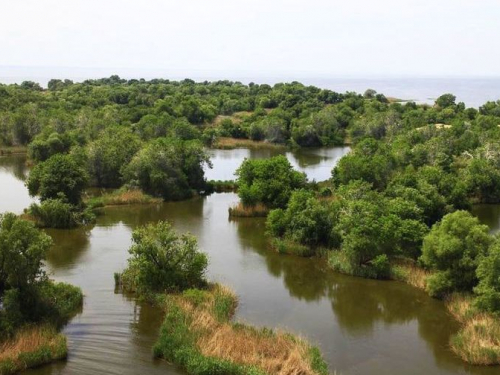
(198, 335)
(478, 341)
(240, 210)
(31, 347)
(121, 197)
(225, 143)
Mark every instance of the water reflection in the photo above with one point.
(14, 196)
(488, 214)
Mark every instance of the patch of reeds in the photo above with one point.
(198, 335)
(478, 341)
(122, 197)
(406, 270)
(241, 210)
(226, 143)
(31, 347)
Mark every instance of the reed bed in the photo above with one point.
(240, 210)
(200, 322)
(31, 347)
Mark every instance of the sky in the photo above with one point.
(259, 37)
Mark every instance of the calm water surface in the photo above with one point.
(14, 196)
(315, 162)
(362, 326)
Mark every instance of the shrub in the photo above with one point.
(53, 213)
(59, 177)
(268, 181)
(161, 260)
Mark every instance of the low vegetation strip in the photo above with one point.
(31, 347)
(241, 210)
(198, 334)
(123, 197)
(227, 143)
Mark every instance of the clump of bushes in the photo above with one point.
(56, 213)
(169, 168)
(163, 261)
(268, 181)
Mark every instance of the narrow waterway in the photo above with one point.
(362, 326)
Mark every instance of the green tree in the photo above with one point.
(268, 181)
(488, 274)
(22, 251)
(59, 177)
(446, 100)
(161, 260)
(453, 250)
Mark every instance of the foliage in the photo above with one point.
(268, 181)
(306, 220)
(488, 274)
(27, 295)
(59, 177)
(454, 248)
(53, 213)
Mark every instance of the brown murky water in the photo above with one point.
(362, 326)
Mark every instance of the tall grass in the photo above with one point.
(31, 347)
(240, 210)
(408, 271)
(225, 143)
(123, 196)
(478, 341)
(198, 335)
